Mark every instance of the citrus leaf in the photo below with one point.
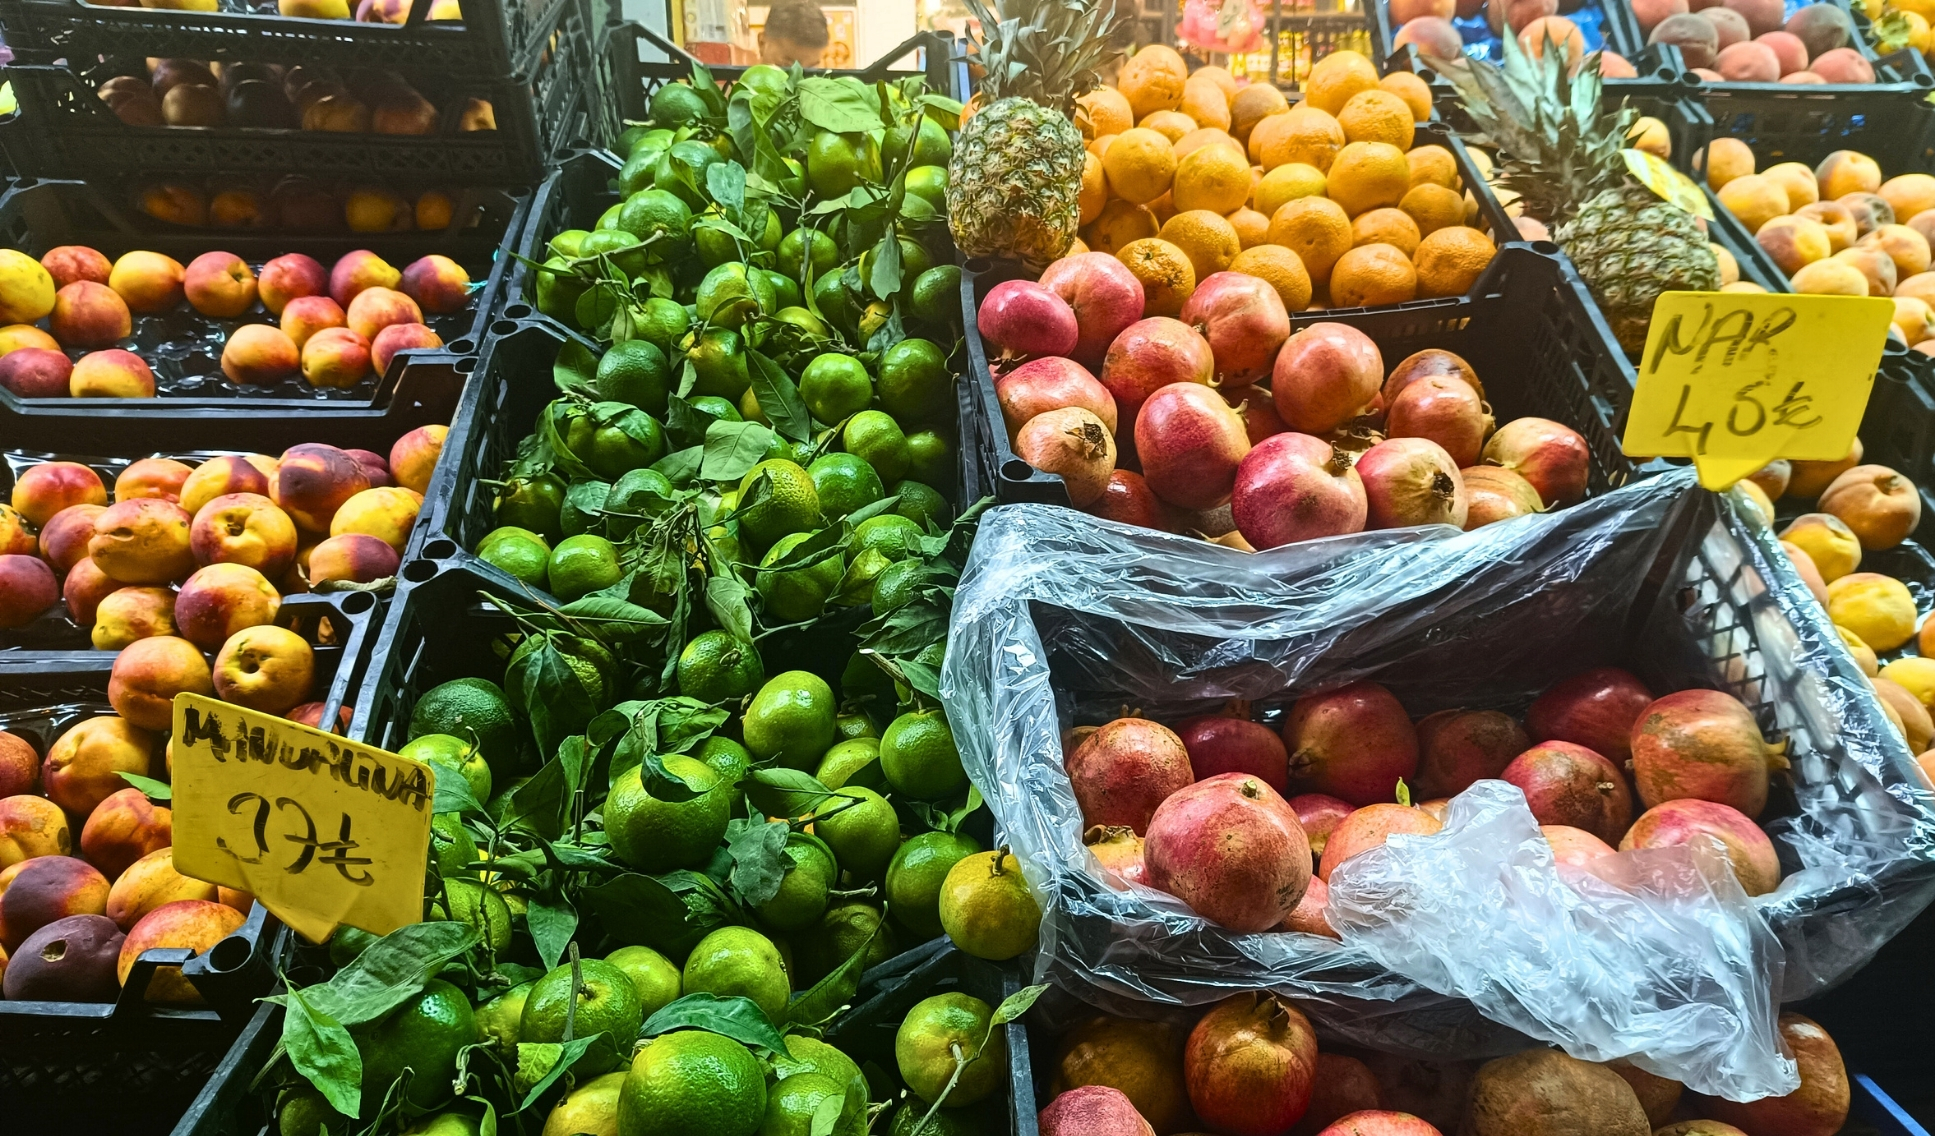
(569, 1054)
(835, 990)
(150, 788)
(1017, 1004)
(783, 792)
(636, 908)
(738, 1018)
(576, 368)
(453, 789)
(733, 448)
(322, 1051)
(726, 597)
(778, 398)
(726, 183)
(390, 971)
(759, 861)
(681, 466)
(552, 921)
(833, 105)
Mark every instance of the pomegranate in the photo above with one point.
(1344, 1085)
(1151, 354)
(1547, 1091)
(1818, 1108)
(1445, 410)
(1123, 770)
(1573, 847)
(1073, 444)
(1881, 506)
(1412, 481)
(1128, 499)
(1699, 1128)
(1231, 848)
(1221, 744)
(1119, 850)
(1319, 813)
(1380, 1123)
(1569, 784)
(1190, 443)
(1052, 383)
(1355, 438)
(1075, 736)
(1244, 321)
(1138, 1058)
(1430, 363)
(1596, 709)
(1703, 744)
(1676, 823)
(1020, 319)
(1326, 375)
(1104, 295)
(1249, 1064)
(1353, 741)
(1434, 1090)
(1369, 827)
(1308, 915)
(1295, 487)
(1259, 411)
(1550, 455)
(1657, 1095)
(1093, 1110)
(1497, 494)
(1458, 747)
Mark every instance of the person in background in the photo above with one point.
(795, 32)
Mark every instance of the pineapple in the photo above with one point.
(1015, 180)
(1561, 157)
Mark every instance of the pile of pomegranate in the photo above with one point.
(1245, 823)
(1245, 433)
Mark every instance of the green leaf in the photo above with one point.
(569, 1054)
(616, 617)
(778, 398)
(827, 1116)
(733, 448)
(560, 698)
(942, 109)
(843, 108)
(883, 275)
(150, 788)
(727, 598)
(784, 792)
(922, 677)
(552, 921)
(390, 971)
(453, 790)
(576, 368)
(322, 1051)
(541, 802)
(636, 908)
(681, 466)
(738, 1018)
(726, 183)
(1017, 1004)
(826, 997)
(759, 860)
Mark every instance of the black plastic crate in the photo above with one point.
(1890, 121)
(1604, 24)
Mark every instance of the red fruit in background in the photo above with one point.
(1319, 814)
(1551, 455)
(1818, 1108)
(1412, 481)
(1220, 744)
(1244, 321)
(1432, 362)
(35, 372)
(1325, 375)
(1191, 443)
(1343, 1085)
(69, 960)
(1596, 709)
(1073, 444)
(1123, 770)
(1307, 916)
(1702, 744)
(1119, 850)
(1258, 411)
(1352, 741)
(1573, 847)
(1458, 747)
(1020, 318)
(1127, 498)
(1569, 784)
(1249, 1065)
(1231, 848)
(1675, 823)
(1294, 487)
(1445, 410)
(1093, 1110)
(1041, 385)
(1370, 827)
(1496, 494)
(1104, 295)
(27, 588)
(1377, 1123)
(1151, 354)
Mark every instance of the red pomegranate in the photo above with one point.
(1230, 848)
(1596, 709)
(1755, 863)
(1190, 443)
(1569, 784)
(1151, 354)
(1128, 499)
(1818, 1108)
(1326, 375)
(1295, 487)
(1319, 813)
(1497, 494)
(1123, 770)
(1412, 481)
(1445, 410)
(1051, 383)
(1343, 1085)
(1458, 747)
(1092, 1110)
(1259, 411)
(1702, 744)
(1308, 916)
(1073, 444)
(1550, 455)
(1380, 1124)
(1220, 744)
(1430, 363)
(1244, 321)
(1249, 1064)
(1021, 318)
(1353, 741)
(1119, 850)
(1573, 847)
(1368, 828)
(1104, 295)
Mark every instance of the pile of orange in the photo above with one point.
(1190, 174)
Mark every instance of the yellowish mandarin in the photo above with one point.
(1282, 269)
(1139, 165)
(1214, 178)
(1207, 238)
(1432, 164)
(1377, 115)
(1119, 224)
(1166, 274)
(1450, 260)
(1287, 183)
(1315, 228)
(1371, 276)
(1368, 175)
(1433, 207)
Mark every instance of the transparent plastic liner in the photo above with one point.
(1466, 947)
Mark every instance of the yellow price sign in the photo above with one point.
(1736, 380)
(321, 829)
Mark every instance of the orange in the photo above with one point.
(1252, 105)
(1139, 165)
(1377, 116)
(1205, 102)
(1316, 229)
(1413, 90)
(1166, 274)
(1337, 77)
(1205, 136)
(1366, 175)
(1252, 228)
(1449, 261)
(1103, 111)
(1433, 207)
(1163, 207)
(1724, 160)
(1305, 135)
(1077, 247)
(1386, 226)
(1433, 164)
(1153, 79)
(1909, 194)
(1207, 238)
(1095, 188)
(1171, 124)
(1214, 178)
(1219, 76)
(1099, 146)
(1372, 275)
(1287, 183)
(1119, 223)
(1265, 130)
(1281, 269)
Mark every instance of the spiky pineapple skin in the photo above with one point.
(1014, 184)
(1630, 246)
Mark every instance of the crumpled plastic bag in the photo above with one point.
(1063, 619)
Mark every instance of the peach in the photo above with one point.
(1748, 63)
(1802, 78)
(84, 589)
(196, 924)
(15, 336)
(260, 354)
(113, 373)
(1846, 171)
(387, 514)
(49, 487)
(1914, 319)
(376, 308)
(19, 765)
(1880, 506)
(27, 588)
(1612, 65)
(231, 897)
(87, 314)
(123, 829)
(413, 458)
(16, 537)
(1682, 822)
(268, 668)
(1905, 245)
(357, 271)
(68, 263)
(34, 372)
(289, 277)
(1754, 198)
(1878, 608)
(335, 357)
(1823, 27)
(1843, 230)
(1650, 12)
(304, 316)
(1876, 270)
(1696, 38)
(1793, 242)
(30, 827)
(219, 477)
(311, 714)
(149, 673)
(1729, 25)
(1789, 49)
(400, 337)
(1811, 478)
(26, 289)
(64, 539)
(1843, 65)
(313, 481)
(374, 467)
(1797, 180)
(244, 528)
(438, 284)
(219, 284)
(175, 204)
(129, 614)
(1434, 38)
(1908, 194)
(1762, 15)
(356, 557)
(1404, 11)
(222, 599)
(144, 541)
(150, 882)
(148, 281)
(46, 889)
(1828, 541)
(152, 477)
(84, 765)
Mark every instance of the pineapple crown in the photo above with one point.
(1558, 147)
(1046, 51)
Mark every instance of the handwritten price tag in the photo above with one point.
(1734, 381)
(322, 830)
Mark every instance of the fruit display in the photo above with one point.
(295, 204)
(188, 92)
(1759, 41)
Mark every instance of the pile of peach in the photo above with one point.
(1755, 41)
(187, 92)
(298, 204)
(1426, 25)
(336, 323)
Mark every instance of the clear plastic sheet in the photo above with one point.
(1062, 619)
